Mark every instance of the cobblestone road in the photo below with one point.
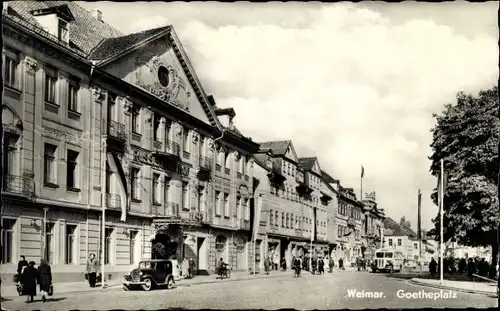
(328, 291)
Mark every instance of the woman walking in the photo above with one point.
(92, 267)
(28, 281)
(44, 278)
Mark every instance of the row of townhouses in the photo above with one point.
(111, 146)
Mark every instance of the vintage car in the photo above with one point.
(149, 274)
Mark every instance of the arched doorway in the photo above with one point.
(241, 254)
(220, 248)
(162, 247)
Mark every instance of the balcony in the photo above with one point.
(196, 217)
(171, 150)
(167, 210)
(113, 201)
(276, 176)
(298, 231)
(217, 168)
(244, 224)
(238, 175)
(227, 171)
(351, 222)
(116, 131)
(19, 185)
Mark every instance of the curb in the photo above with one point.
(463, 290)
(83, 290)
(231, 280)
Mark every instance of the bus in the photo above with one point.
(387, 260)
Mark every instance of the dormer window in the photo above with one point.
(63, 32)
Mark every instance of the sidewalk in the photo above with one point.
(489, 289)
(10, 291)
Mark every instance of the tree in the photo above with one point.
(466, 138)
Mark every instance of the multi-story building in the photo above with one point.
(318, 203)
(330, 198)
(402, 238)
(373, 225)
(96, 120)
(286, 212)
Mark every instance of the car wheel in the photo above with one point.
(148, 285)
(374, 270)
(170, 283)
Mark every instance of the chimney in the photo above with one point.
(97, 15)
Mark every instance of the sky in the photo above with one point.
(353, 84)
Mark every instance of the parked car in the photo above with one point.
(149, 274)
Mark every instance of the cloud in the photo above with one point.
(351, 85)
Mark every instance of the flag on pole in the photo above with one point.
(419, 207)
(362, 171)
(441, 188)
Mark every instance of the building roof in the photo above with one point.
(112, 47)
(261, 160)
(278, 148)
(86, 32)
(329, 179)
(307, 163)
(397, 229)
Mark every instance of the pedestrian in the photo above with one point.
(321, 267)
(44, 277)
(341, 264)
(92, 269)
(471, 268)
(28, 282)
(20, 265)
(432, 267)
(192, 265)
(267, 263)
(331, 264)
(283, 264)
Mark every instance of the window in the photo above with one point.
(49, 242)
(201, 199)
(239, 207)
(271, 214)
(10, 69)
(226, 204)
(185, 195)
(246, 209)
(156, 188)
(136, 113)
(226, 160)
(185, 139)
(282, 219)
(390, 242)
(287, 222)
(9, 157)
(107, 245)
(50, 84)
(73, 88)
(49, 154)
(108, 179)
(415, 245)
(72, 170)
(135, 183)
(156, 128)
(399, 242)
(167, 131)
(63, 31)
(132, 238)
(217, 203)
(70, 256)
(276, 215)
(8, 240)
(166, 190)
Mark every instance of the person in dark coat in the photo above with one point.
(28, 281)
(432, 267)
(341, 264)
(331, 264)
(44, 278)
(471, 267)
(21, 264)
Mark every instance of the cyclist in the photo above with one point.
(222, 268)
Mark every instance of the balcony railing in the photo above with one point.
(196, 216)
(172, 147)
(245, 224)
(117, 130)
(168, 209)
(205, 163)
(19, 185)
(217, 167)
(227, 171)
(157, 144)
(113, 201)
(351, 222)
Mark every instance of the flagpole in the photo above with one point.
(361, 188)
(441, 208)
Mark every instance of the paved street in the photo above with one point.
(328, 291)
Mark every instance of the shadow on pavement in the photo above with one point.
(4, 299)
(56, 299)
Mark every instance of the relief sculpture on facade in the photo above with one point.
(58, 135)
(152, 84)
